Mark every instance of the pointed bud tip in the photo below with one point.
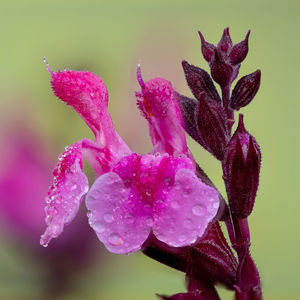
(201, 36)
(241, 126)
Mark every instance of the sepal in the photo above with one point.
(245, 90)
(239, 51)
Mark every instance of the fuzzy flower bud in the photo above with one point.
(199, 82)
(239, 51)
(245, 90)
(241, 168)
(211, 121)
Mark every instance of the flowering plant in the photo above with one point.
(163, 203)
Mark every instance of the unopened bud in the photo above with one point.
(208, 49)
(221, 72)
(245, 90)
(211, 121)
(188, 109)
(241, 169)
(225, 43)
(239, 51)
(199, 82)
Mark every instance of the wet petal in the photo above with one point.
(159, 105)
(119, 217)
(191, 205)
(65, 195)
(87, 94)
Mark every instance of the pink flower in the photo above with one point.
(134, 194)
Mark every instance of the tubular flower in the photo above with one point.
(134, 194)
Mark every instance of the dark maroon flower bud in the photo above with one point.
(213, 258)
(199, 82)
(211, 121)
(188, 108)
(190, 296)
(248, 281)
(225, 43)
(208, 50)
(241, 169)
(221, 72)
(239, 51)
(245, 90)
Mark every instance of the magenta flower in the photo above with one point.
(134, 194)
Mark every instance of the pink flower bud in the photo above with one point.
(245, 90)
(241, 168)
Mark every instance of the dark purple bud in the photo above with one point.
(248, 281)
(225, 43)
(213, 258)
(245, 90)
(208, 50)
(221, 72)
(199, 82)
(239, 51)
(241, 169)
(188, 109)
(211, 121)
(190, 296)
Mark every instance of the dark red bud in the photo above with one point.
(211, 121)
(188, 108)
(190, 296)
(208, 50)
(221, 72)
(241, 169)
(245, 90)
(214, 259)
(239, 51)
(248, 281)
(225, 43)
(199, 82)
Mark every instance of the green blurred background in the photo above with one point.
(109, 38)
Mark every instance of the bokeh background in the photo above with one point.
(109, 37)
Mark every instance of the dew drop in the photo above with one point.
(99, 227)
(216, 205)
(187, 223)
(129, 218)
(108, 218)
(115, 240)
(174, 204)
(149, 221)
(181, 238)
(197, 210)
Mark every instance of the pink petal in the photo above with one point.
(119, 217)
(87, 94)
(65, 195)
(190, 206)
(158, 103)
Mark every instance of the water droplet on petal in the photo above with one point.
(187, 223)
(108, 218)
(197, 210)
(129, 218)
(181, 238)
(174, 204)
(115, 240)
(99, 227)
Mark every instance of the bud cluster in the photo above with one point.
(208, 119)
